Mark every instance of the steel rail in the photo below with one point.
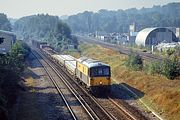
(110, 116)
(122, 109)
(79, 98)
(58, 89)
(126, 113)
(93, 98)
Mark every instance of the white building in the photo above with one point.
(154, 36)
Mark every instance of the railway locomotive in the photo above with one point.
(93, 74)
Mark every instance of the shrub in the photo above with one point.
(177, 50)
(153, 67)
(169, 52)
(134, 62)
(11, 65)
(170, 68)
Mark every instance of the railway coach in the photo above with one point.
(66, 61)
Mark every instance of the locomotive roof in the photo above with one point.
(91, 62)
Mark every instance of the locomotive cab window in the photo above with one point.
(100, 71)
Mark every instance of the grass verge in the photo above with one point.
(160, 94)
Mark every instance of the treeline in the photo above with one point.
(45, 28)
(4, 23)
(119, 21)
(11, 65)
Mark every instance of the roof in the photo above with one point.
(143, 34)
(7, 32)
(91, 62)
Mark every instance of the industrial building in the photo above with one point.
(153, 36)
(178, 33)
(9, 39)
(132, 33)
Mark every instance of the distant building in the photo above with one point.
(9, 39)
(153, 36)
(133, 31)
(132, 28)
(173, 29)
(178, 32)
(101, 35)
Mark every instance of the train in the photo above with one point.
(93, 74)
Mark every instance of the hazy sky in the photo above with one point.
(19, 8)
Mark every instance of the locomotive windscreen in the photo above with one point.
(100, 71)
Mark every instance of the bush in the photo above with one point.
(134, 62)
(153, 67)
(170, 68)
(11, 65)
(177, 50)
(169, 52)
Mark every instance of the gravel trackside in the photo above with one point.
(39, 100)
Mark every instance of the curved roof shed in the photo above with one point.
(154, 36)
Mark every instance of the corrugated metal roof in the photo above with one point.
(142, 35)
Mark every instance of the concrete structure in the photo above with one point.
(178, 32)
(132, 28)
(133, 31)
(153, 36)
(9, 40)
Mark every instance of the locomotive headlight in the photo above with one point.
(100, 83)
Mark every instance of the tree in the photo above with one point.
(44, 28)
(118, 21)
(4, 23)
(134, 61)
(10, 66)
(170, 68)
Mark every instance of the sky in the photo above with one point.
(20, 8)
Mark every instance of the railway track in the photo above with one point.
(98, 111)
(120, 49)
(105, 108)
(65, 95)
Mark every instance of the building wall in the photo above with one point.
(164, 36)
(157, 37)
(178, 32)
(7, 43)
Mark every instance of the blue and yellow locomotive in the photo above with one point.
(94, 74)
